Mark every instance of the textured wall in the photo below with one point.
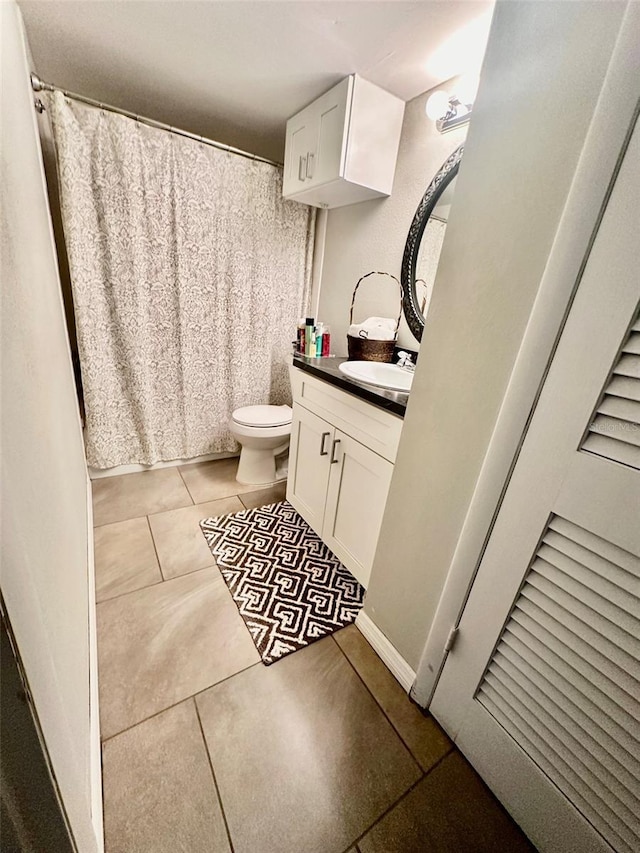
(542, 74)
(371, 235)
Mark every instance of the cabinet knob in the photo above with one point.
(302, 168)
(325, 436)
(334, 458)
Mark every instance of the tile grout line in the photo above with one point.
(384, 713)
(130, 591)
(184, 482)
(213, 775)
(170, 509)
(155, 547)
(179, 702)
(157, 583)
(120, 521)
(144, 515)
(387, 811)
(164, 580)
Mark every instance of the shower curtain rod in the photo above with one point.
(39, 85)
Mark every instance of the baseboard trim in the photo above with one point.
(99, 473)
(95, 749)
(398, 666)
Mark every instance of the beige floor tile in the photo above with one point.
(159, 645)
(179, 540)
(272, 495)
(449, 811)
(304, 758)
(134, 495)
(159, 794)
(208, 481)
(421, 733)
(125, 558)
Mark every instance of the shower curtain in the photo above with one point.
(189, 274)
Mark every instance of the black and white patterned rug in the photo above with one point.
(288, 586)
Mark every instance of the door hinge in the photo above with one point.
(451, 639)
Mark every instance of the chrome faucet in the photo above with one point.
(404, 361)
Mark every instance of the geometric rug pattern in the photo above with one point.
(288, 586)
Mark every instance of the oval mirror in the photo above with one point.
(424, 243)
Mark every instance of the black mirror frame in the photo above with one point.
(443, 178)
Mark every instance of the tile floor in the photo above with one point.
(205, 750)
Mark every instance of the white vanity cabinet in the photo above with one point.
(309, 466)
(342, 148)
(340, 467)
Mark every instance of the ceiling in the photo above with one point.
(235, 70)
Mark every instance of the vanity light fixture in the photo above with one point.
(448, 111)
(452, 110)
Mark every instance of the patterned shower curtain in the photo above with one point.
(189, 273)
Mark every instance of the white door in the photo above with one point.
(358, 487)
(542, 689)
(309, 454)
(46, 544)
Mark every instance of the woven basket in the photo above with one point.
(362, 349)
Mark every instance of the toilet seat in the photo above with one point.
(263, 417)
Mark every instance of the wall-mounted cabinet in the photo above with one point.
(343, 147)
(337, 481)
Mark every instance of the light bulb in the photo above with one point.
(437, 105)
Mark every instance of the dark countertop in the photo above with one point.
(327, 369)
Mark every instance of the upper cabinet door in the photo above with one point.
(316, 141)
(326, 159)
(301, 141)
(342, 148)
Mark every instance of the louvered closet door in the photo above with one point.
(542, 689)
(614, 432)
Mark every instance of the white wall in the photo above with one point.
(45, 556)
(371, 235)
(543, 71)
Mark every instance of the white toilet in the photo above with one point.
(263, 432)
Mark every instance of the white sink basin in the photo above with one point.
(377, 373)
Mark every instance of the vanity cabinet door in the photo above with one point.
(309, 464)
(358, 486)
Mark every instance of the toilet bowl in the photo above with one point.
(263, 432)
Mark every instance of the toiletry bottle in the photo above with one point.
(326, 341)
(319, 339)
(309, 349)
(301, 339)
